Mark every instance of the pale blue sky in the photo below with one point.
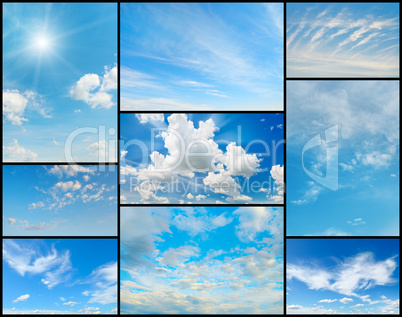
(342, 276)
(202, 158)
(60, 276)
(365, 200)
(202, 56)
(342, 39)
(208, 260)
(59, 75)
(59, 200)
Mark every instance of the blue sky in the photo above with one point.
(201, 158)
(342, 39)
(59, 200)
(202, 56)
(73, 276)
(202, 260)
(343, 276)
(59, 74)
(364, 199)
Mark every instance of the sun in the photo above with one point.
(42, 42)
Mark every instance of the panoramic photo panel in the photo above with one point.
(342, 276)
(59, 82)
(342, 39)
(60, 200)
(201, 56)
(201, 260)
(202, 158)
(342, 154)
(59, 276)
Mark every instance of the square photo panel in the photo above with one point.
(202, 158)
(201, 260)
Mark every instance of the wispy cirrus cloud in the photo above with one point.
(341, 40)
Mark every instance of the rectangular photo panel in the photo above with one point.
(59, 82)
(201, 56)
(342, 40)
(342, 276)
(201, 260)
(60, 200)
(342, 154)
(59, 276)
(202, 158)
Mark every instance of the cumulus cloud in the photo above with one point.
(21, 298)
(94, 90)
(346, 300)
(192, 150)
(16, 153)
(15, 104)
(356, 273)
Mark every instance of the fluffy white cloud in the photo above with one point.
(21, 298)
(93, 89)
(277, 175)
(70, 185)
(16, 103)
(150, 117)
(15, 152)
(346, 300)
(193, 150)
(353, 274)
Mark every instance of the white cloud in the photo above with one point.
(17, 153)
(70, 170)
(277, 175)
(346, 300)
(104, 281)
(328, 300)
(11, 221)
(150, 117)
(54, 266)
(192, 150)
(70, 185)
(93, 90)
(348, 277)
(178, 256)
(254, 220)
(21, 298)
(70, 303)
(15, 104)
(190, 196)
